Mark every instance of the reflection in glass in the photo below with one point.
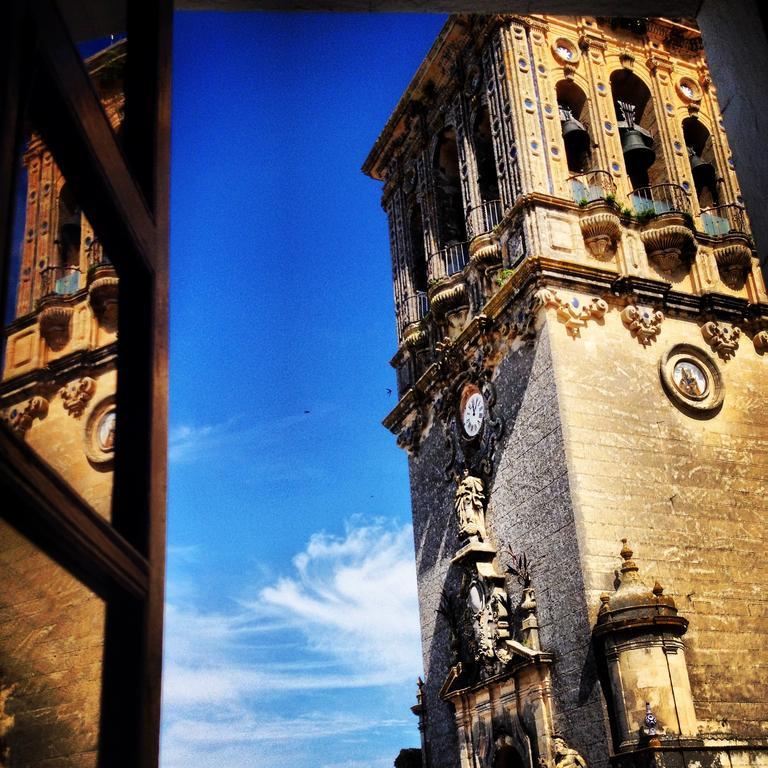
(59, 363)
(51, 650)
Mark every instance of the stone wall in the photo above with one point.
(51, 635)
(689, 494)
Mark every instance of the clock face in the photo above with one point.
(474, 414)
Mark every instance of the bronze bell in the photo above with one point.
(638, 149)
(636, 141)
(575, 136)
(704, 174)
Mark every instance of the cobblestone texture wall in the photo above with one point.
(530, 510)
(51, 630)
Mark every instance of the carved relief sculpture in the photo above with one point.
(76, 394)
(468, 504)
(565, 756)
(20, 418)
(722, 337)
(644, 324)
(573, 314)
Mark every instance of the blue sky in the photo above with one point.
(292, 633)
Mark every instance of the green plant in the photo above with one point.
(645, 215)
(583, 202)
(504, 275)
(688, 219)
(626, 212)
(610, 199)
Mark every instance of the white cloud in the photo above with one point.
(345, 618)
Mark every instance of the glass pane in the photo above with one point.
(99, 34)
(105, 61)
(59, 372)
(51, 650)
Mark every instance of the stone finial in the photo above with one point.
(658, 590)
(626, 553)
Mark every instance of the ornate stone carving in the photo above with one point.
(668, 245)
(573, 314)
(415, 335)
(409, 437)
(760, 340)
(103, 294)
(19, 418)
(643, 323)
(54, 324)
(76, 394)
(565, 756)
(450, 293)
(485, 251)
(468, 504)
(722, 337)
(734, 260)
(601, 230)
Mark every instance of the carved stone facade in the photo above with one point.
(581, 382)
(60, 359)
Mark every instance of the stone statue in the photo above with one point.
(469, 507)
(565, 757)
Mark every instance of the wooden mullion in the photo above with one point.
(51, 514)
(77, 131)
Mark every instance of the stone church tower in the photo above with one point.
(59, 373)
(583, 329)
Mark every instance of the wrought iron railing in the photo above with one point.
(660, 198)
(725, 220)
(414, 308)
(592, 185)
(448, 261)
(95, 254)
(483, 218)
(61, 280)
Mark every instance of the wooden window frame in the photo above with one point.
(124, 193)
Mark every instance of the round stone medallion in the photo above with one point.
(692, 380)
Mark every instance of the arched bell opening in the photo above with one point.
(450, 208)
(638, 127)
(701, 155)
(574, 123)
(61, 275)
(418, 254)
(68, 229)
(485, 216)
(487, 181)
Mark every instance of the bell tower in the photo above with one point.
(582, 335)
